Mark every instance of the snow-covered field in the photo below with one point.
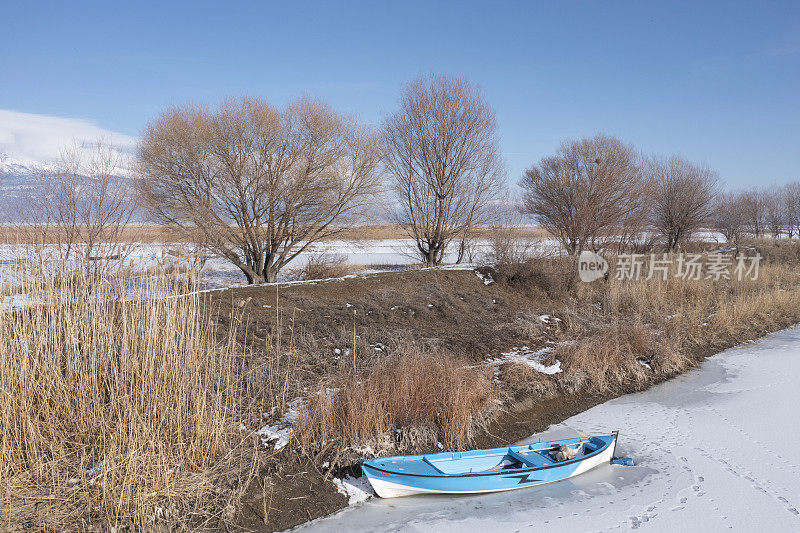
(218, 273)
(714, 451)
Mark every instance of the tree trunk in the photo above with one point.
(252, 277)
(270, 273)
(430, 257)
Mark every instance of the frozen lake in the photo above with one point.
(219, 273)
(714, 451)
(216, 273)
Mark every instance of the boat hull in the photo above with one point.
(395, 484)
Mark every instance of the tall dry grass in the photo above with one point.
(418, 396)
(669, 324)
(621, 335)
(619, 358)
(116, 411)
(707, 313)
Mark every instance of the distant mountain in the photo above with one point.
(30, 142)
(17, 175)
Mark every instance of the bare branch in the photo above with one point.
(589, 190)
(682, 196)
(255, 184)
(443, 156)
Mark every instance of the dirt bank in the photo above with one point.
(461, 312)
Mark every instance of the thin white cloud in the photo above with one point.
(29, 137)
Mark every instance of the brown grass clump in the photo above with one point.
(612, 359)
(116, 413)
(773, 303)
(520, 378)
(553, 277)
(324, 266)
(675, 322)
(784, 251)
(418, 392)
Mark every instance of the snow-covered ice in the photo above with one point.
(713, 450)
(356, 489)
(217, 273)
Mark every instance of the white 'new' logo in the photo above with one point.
(591, 266)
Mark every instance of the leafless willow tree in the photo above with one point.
(79, 207)
(754, 210)
(255, 184)
(443, 157)
(590, 189)
(772, 210)
(730, 216)
(791, 200)
(775, 216)
(682, 197)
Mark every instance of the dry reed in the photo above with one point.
(668, 324)
(116, 411)
(419, 394)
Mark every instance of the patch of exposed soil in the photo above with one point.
(453, 308)
(289, 494)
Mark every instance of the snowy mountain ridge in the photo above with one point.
(17, 174)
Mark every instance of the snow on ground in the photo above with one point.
(714, 451)
(278, 436)
(487, 279)
(279, 433)
(526, 356)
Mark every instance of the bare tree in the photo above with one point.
(591, 188)
(682, 197)
(81, 205)
(774, 210)
(255, 184)
(791, 198)
(730, 216)
(507, 243)
(754, 208)
(444, 160)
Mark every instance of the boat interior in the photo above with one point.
(495, 460)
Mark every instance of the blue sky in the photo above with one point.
(718, 82)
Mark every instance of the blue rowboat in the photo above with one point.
(493, 470)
